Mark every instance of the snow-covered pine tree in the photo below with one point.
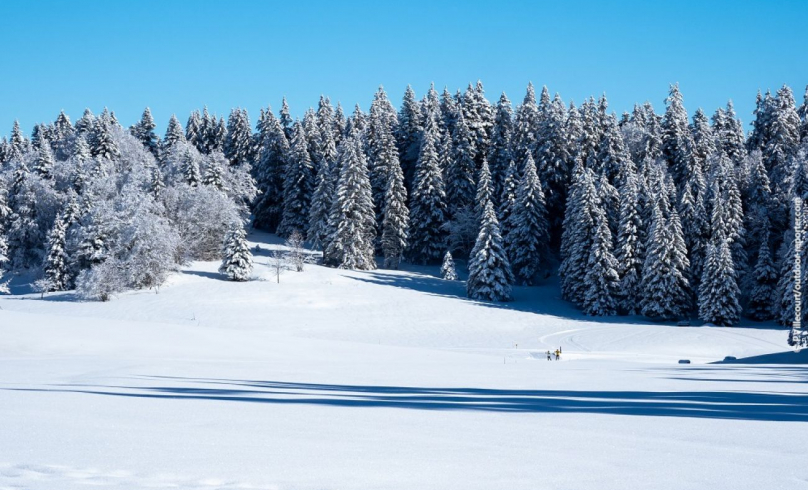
(554, 160)
(213, 175)
(102, 143)
(630, 252)
(428, 202)
(285, 119)
(273, 150)
(763, 295)
(237, 260)
(194, 130)
(447, 269)
(190, 169)
(783, 140)
(499, 151)
(18, 143)
(507, 201)
(609, 201)
(719, 292)
(63, 136)
(676, 137)
(408, 134)
(322, 199)
(490, 276)
(395, 214)
(461, 168)
(352, 216)
(728, 214)
(56, 261)
(601, 282)
(664, 287)
(578, 236)
(144, 132)
(174, 134)
(485, 189)
(238, 143)
(298, 185)
(528, 235)
(43, 165)
(382, 150)
(526, 126)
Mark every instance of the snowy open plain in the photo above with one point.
(384, 380)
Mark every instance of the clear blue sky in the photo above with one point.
(176, 56)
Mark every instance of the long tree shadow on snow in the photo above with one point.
(543, 299)
(760, 406)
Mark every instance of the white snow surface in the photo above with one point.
(335, 379)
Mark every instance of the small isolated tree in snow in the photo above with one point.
(447, 270)
(297, 252)
(277, 261)
(237, 260)
(490, 275)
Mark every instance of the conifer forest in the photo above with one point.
(652, 213)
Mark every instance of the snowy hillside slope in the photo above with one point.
(384, 379)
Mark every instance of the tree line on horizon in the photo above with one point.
(660, 215)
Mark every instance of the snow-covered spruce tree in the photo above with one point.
(395, 215)
(676, 137)
(269, 173)
(507, 201)
(428, 202)
(43, 165)
(63, 136)
(190, 169)
(18, 144)
(695, 221)
(174, 134)
(101, 139)
(601, 282)
(490, 276)
(194, 130)
(526, 126)
(479, 116)
(352, 217)
(783, 140)
(56, 261)
(499, 151)
(297, 186)
(630, 252)
(408, 134)
(554, 161)
(143, 131)
(285, 119)
(664, 287)
(461, 168)
(238, 143)
(383, 155)
(763, 296)
(321, 201)
(578, 236)
(237, 260)
(213, 175)
(447, 269)
(485, 189)
(719, 292)
(727, 209)
(528, 237)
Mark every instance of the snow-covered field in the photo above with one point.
(384, 380)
